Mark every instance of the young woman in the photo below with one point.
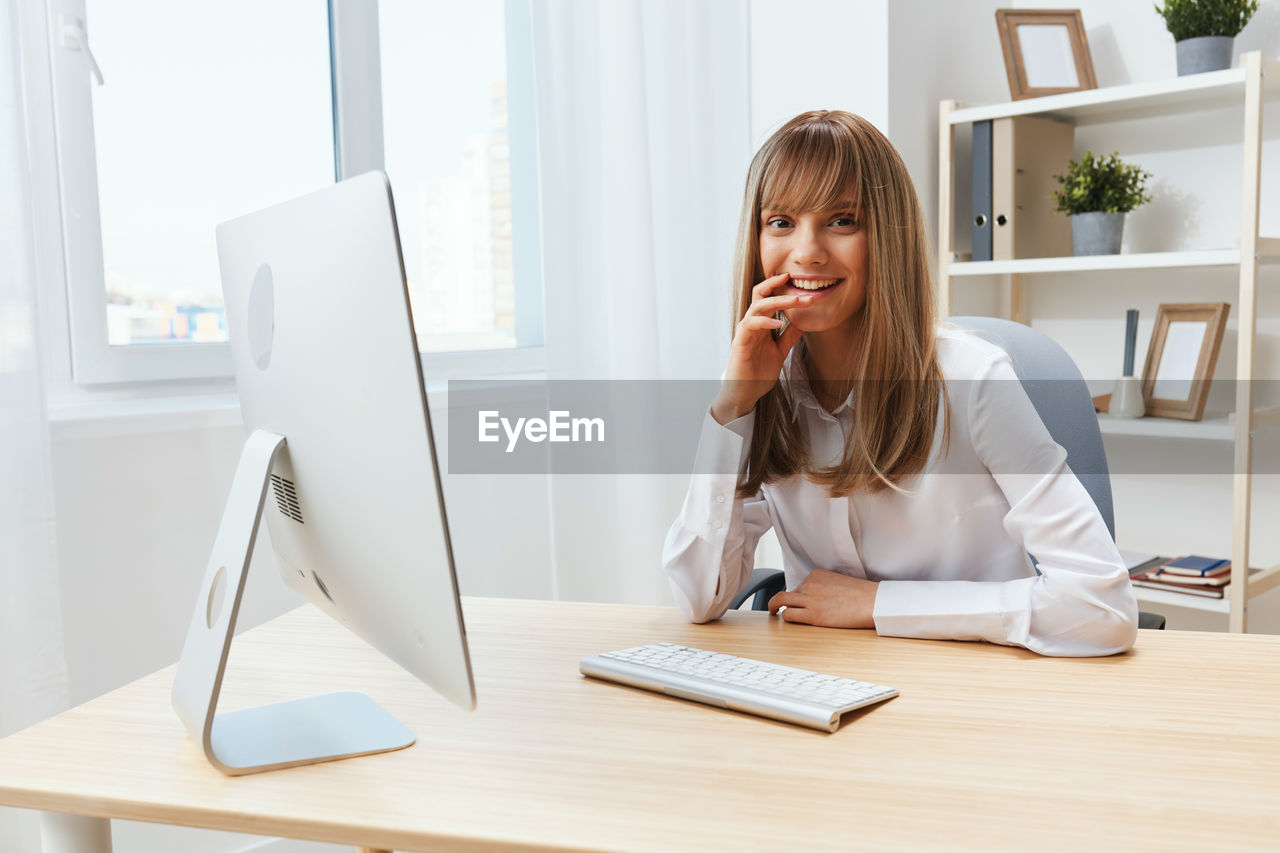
(904, 469)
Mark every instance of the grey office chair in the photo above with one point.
(1061, 398)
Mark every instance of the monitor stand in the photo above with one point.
(304, 731)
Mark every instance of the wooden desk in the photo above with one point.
(1174, 745)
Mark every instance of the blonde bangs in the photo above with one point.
(812, 169)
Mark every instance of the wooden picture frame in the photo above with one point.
(1181, 357)
(1046, 52)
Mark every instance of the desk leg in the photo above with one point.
(372, 850)
(73, 833)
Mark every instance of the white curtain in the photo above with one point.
(644, 140)
(33, 679)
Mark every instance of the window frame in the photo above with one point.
(355, 69)
(93, 360)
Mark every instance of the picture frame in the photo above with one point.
(1181, 357)
(1046, 52)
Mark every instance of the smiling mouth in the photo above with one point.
(815, 284)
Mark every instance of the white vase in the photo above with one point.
(1126, 398)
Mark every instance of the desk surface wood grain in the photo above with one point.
(1173, 745)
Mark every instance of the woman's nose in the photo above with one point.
(808, 248)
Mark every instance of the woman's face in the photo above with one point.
(825, 253)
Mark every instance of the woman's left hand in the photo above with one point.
(829, 599)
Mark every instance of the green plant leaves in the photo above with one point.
(1106, 185)
(1187, 19)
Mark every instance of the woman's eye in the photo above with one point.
(778, 222)
(845, 222)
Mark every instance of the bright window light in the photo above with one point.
(445, 133)
(209, 111)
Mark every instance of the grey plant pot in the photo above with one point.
(1206, 53)
(1096, 233)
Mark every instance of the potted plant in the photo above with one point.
(1204, 30)
(1096, 193)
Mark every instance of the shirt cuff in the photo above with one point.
(723, 449)
(942, 610)
(722, 453)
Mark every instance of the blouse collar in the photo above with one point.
(797, 379)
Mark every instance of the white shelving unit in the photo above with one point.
(1147, 261)
(1255, 81)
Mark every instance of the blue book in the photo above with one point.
(1200, 566)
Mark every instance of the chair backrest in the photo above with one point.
(1061, 398)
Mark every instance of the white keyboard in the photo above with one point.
(740, 684)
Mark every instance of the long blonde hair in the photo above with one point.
(817, 161)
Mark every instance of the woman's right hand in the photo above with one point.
(755, 357)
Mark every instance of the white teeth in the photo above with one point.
(814, 285)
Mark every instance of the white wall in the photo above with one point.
(817, 55)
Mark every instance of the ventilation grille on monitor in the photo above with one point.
(286, 497)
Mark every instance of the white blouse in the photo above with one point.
(951, 553)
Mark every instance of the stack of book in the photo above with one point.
(1203, 576)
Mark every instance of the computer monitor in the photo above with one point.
(339, 461)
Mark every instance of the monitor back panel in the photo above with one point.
(325, 354)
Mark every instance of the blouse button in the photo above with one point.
(720, 498)
(717, 524)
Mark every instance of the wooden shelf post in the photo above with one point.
(946, 187)
(1247, 320)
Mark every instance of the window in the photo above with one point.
(458, 143)
(210, 111)
(201, 118)
(449, 167)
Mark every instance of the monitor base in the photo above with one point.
(302, 731)
(305, 731)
